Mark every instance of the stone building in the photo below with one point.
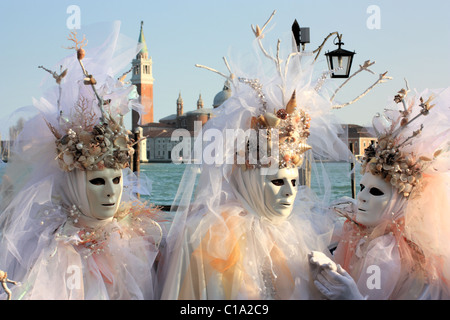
(159, 135)
(359, 137)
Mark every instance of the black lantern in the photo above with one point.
(340, 60)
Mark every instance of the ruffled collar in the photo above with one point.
(92, 236)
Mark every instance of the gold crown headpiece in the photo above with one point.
(88, 141)
(388, 157)
(292, 125)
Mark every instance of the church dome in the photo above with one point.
(222, 95)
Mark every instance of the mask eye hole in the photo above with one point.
(97, 181)
(116, 180)
(361, 187)
(376, 192)
(278, 182)
(294, 182)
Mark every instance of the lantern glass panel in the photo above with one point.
(341, 61)
(341, 65)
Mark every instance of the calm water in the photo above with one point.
(165, 178)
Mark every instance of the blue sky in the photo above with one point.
(412, 41)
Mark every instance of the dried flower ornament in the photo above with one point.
(293, 126)
(85, 141)
(388, 159)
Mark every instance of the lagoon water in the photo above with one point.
(165, 178)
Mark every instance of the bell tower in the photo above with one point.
(142, 78)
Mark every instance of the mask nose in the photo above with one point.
(109, 189)
(362, 196)
(288, 188)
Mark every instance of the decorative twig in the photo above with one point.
(288, 60)
(265, 52)
(89, 79)
(228, 67)
(424, 112)
(259, 35)
(58, 78)
(383, 78)
(259, 32)
(415, 133)
(213, 70)
(319, 49)
(124, 75)
(52, 129)
(407, 85)
(407, 90)
(277, 60)
(230, 77)
(78, 44)
(365, 67)
(400, 97)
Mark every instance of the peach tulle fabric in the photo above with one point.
(410, 247)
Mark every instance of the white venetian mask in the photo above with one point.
(280, 190)
(104, 192)
(373, 199)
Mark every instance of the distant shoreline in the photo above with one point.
(170, 161)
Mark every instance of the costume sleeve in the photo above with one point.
(381, 269)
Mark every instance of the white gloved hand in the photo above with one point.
(337, 284)
(318, 261)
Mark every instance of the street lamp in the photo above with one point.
(340, 60)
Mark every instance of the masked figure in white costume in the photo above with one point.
(247, 231)
(394, 243)
(72, 227)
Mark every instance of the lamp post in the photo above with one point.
(301, 35)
